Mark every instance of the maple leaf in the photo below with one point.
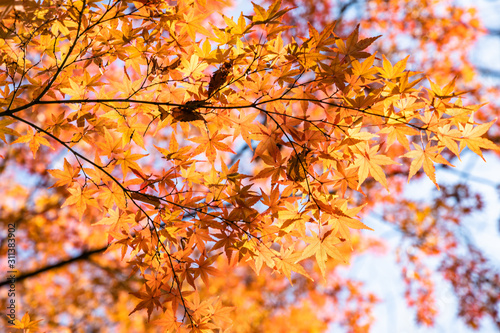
(267, 138)
(321, 248)
(445, 92)
(210, 144)
(174, 152)
(391, 72)
(193, 24)
(346, 177)
(127, 161)
(80, 198)
(472, 137)
(111, 78)
(65, 177)
(296, 168)
(168, 321)
(134, 132)
(117, 219)
(150, 300)
(200, 308)
(187, 112)
(449, 137)
(193, 67)
(287, 262)
(5, 130)
(400, 133)
(75, 90)
(426, 158)
(221, 313)
(59, 124)
(112, 195)
(110, 145)
(204, 269)
(353, 47)
(26, 323)
(264, 255)
(35, 139)
(219, 77)
(369, 163)
(263, 16)
(245, 126)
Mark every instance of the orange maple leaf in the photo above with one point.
(150, 300)
(80, 198)
(168, 321)
(210, 144)
(127, 161)
(65, 177)
(35, 139)
(204, 269)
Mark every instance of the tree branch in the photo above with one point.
(83, 256)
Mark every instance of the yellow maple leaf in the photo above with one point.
(369, 162)
(25, 323)
(127, 161)
(426, 158)
(472, 137)
(322, 248)
(287, 262)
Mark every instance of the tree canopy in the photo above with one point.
(167, 166)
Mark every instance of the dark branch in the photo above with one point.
(83, 256)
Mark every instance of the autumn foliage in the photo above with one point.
(170, 167)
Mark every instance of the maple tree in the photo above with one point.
(221, 166)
